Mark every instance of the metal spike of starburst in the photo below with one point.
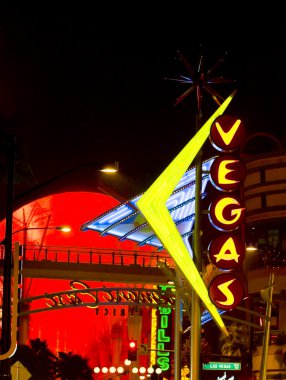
(200, 81)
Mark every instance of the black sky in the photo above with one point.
(82, 84)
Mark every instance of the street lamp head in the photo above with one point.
(251, 247)
(63, 228)
(109, 167)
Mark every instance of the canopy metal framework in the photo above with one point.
(125, 221)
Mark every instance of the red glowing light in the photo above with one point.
(92, 333)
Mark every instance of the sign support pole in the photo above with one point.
(196, 303)
(5, 370)
(265, 344)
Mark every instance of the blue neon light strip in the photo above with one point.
(206, 317)
(125, 221)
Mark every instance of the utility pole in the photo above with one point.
(197, 245)
(265, 343)
(5, 369)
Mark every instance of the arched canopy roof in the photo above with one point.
(127, 223)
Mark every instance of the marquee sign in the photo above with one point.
(226, 213)
(153, 206)
(164, 215)
(81, 295)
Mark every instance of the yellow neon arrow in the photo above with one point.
(152, 204)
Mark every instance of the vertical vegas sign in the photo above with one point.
(226, 213)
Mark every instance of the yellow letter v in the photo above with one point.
(227, 136)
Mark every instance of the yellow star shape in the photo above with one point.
(153, 206)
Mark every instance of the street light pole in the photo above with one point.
(5, 365)
(5, 370)
(104, 167)
(196, 302)
(265, 343)
(63, 228)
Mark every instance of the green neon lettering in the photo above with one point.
(164, 321)
(163, 363)
(162, 337)
(165, 310)
(165, 287)
(161, 346)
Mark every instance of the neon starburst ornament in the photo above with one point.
(201, 80)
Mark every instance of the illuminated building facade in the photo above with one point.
(59, 269)
(265, 199)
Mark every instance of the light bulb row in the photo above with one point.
(121, 370)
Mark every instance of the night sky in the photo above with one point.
(81, 84)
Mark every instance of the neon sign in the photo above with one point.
(226, 213)
(82, 295)
(163, 337)
(153, 206)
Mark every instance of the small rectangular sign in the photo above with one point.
(216, 366)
